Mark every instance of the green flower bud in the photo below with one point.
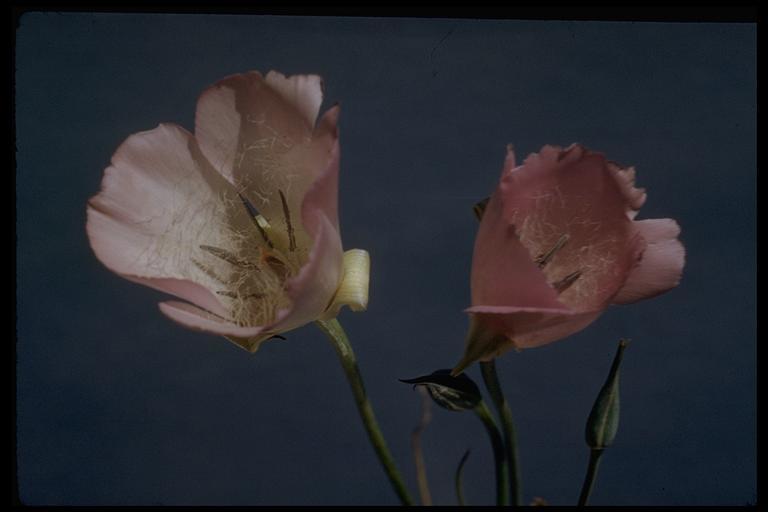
(603, 421)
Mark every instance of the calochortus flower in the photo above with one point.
(556, 245)
(238, 220)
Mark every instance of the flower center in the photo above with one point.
(563, 284)
(250, 266)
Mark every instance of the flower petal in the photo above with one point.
(258, 133)
(319, 186)
(159, 202)
(503, 273)
(243, 113)
(319, 279)
(304, 92)
(316, 190)
(572, 194)
(353, 289)
(625, 179)
(661, 265)
(509, 160)
(313, 288)
(195, 318)
(277, 153)
(528, 329)
(494, 331)
(323, 190)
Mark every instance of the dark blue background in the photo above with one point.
(118, 405)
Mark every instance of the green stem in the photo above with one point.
(589, 479)
(418, 453)
(486, 417)
(457, 479)
(491, 380)
(338, 338)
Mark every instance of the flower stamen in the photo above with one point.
(228, 257)
(208, 271)
(567, 281)
(233, 295)
(254, 215)
(288, 225)
(277, 265)
(542, 259)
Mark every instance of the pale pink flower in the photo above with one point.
(240, 219)
(556, 245)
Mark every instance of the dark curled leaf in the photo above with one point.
(452, 393)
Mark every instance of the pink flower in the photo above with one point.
(240, 219)
(556, 245)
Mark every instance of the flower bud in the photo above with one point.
(603, 421)
(453, 393)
